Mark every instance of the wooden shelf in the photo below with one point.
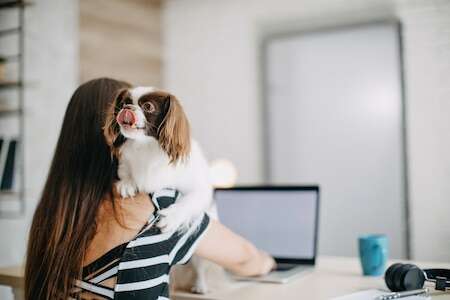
(13, 3)
(12, 199)
(9, 193)
(9, 31)
(10, 58)
(10, 84)
(9, 111)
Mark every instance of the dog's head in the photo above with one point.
(144, 113)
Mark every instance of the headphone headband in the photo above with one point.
(440, 276)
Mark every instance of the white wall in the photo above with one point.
(51, 62)
(212, 64)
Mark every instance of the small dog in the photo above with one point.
(149, 133)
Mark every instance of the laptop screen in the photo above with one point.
(281, 222)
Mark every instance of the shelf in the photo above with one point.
(12, 202)
(10, 84)
(10, 58)
(8, 31)
(9, 193)
(12, 4)
(10, 111)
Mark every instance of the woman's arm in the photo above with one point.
(233, 252)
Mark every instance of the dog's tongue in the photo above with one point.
(126, 117)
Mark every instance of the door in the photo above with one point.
(334, 116)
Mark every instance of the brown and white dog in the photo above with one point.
(149, 134)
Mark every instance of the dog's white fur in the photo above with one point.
(145, 167)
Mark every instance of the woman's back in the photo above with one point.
(139, 266)
(116, 226)
(119, 224)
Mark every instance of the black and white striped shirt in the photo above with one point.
(140, 268)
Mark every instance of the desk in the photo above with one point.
(333, 276)
(13, 277)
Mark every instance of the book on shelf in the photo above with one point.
(8, 150)
(1, 147)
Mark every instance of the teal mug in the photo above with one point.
(373, 253)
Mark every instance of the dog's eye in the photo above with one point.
(148, 107)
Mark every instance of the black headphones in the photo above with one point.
(405, 277)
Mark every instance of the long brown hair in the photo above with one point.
(80, 178)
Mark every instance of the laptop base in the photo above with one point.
(279, 276)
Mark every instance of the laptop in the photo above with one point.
(281, 220)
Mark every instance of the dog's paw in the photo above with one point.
(126, 188)
(171, 219)
(199, 289)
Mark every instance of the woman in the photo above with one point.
(82, 228)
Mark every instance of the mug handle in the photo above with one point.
(379, 250)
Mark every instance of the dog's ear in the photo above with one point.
(111, 129)
(174, 133)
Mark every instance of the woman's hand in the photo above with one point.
(259, 264)
(233, 252)
(268, 263)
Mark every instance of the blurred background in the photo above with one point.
(352, 95)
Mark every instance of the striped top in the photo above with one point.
(140, 268)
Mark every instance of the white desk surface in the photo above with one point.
(332, 277)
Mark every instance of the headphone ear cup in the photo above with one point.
(388, 276)
(414, 279)
(399, 277)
